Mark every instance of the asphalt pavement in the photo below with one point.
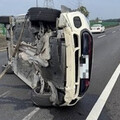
(15, 103)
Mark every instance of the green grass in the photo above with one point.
(106, 24)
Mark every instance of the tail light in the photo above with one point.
(85, 61)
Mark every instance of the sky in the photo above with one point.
(103, 9)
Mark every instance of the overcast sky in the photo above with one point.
(104, 9)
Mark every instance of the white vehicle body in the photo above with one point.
(97, 28)
(70, 30)
(66, 79)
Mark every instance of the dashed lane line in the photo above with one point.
(1, 50)
(30, 115)
(102, 36)
(98, 107)
(4, 94)
(113, 31)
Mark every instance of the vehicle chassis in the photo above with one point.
(54, 57)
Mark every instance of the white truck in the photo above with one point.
(51, 51)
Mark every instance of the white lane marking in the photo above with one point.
(4, 94)
(2, 50)
(113, 31)
(97, 108)
(30, 115)
(102, 36)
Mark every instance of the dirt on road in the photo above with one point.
(3, 42)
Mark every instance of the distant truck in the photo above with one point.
(54, 57)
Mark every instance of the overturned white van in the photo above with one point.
(54, 55)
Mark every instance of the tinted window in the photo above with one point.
(77, 22)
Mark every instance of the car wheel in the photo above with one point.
(49, 97)
(42, 100)
(43, 14)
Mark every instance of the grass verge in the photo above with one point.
(3, 42)
(106, 24)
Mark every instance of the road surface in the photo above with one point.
(15, 103)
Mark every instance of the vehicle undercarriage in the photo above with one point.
(54, 54)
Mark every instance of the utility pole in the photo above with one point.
(36, 3)
(49, 3)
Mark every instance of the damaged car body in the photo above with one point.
(55, 55)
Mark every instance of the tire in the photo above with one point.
(42, 100)
(43, 14)
(47, 98)
(56, 72)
